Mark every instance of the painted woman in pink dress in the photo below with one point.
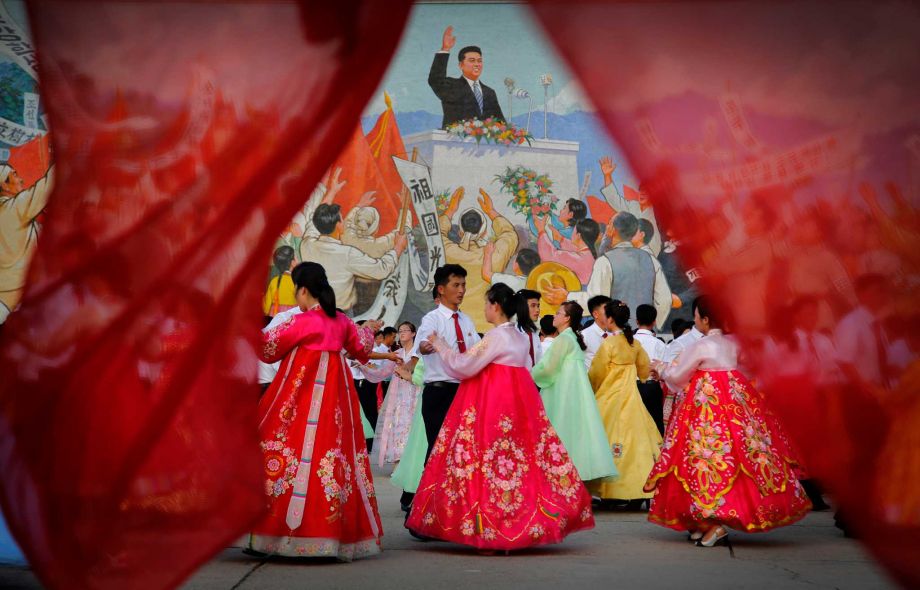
(318, 483)
(726, 462)
(498, 476)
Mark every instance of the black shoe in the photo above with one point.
(419, 536)
(820, 506)
(635, 505)
(405, 508)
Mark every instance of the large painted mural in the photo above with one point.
(479, 149)
(25, 155)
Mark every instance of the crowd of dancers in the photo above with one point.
(513, 438)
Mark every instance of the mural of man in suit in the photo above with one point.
(464, 97)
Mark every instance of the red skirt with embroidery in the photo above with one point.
(498, 476)
(726, 460)
(318, 479)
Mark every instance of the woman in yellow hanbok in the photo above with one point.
(634, 439)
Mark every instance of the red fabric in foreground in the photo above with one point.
(128, 439)
(763, 132)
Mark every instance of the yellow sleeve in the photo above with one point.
(506, 242)
(642, 362)
(269, 295)
(598, 371)
(286, 296)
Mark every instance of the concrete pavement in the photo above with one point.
(624, 551)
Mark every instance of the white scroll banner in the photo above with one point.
(417, 178)
(30, 109)
(388, 304)
(15, 43)
(16, 134)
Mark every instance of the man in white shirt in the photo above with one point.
(268, 371)
(532, 299)
(650, 391)
(385, 347)
(678, 345)
(548, 332)
(458, 330)
(672, 353)
(343, 262)
(595, 334)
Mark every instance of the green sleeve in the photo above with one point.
(547, 370)
(418, 375)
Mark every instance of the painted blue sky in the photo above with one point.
(514, 46)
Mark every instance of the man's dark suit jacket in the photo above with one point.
(457, 98)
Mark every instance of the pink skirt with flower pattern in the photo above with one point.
(498, 476)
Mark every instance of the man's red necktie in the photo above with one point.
(533, 359)
(461, 345)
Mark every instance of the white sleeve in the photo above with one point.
(618, 202)
(309, 230)
(425, 329)
(673, 350)
(677, 375)
(366, 267)
(598, 284)
(661, 295)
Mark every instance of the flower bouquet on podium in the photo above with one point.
(531, 193)
(491, 130)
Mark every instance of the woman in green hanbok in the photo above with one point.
(569, 399)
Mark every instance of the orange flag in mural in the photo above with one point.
(31, 159)
(364, 181)
(385, 142)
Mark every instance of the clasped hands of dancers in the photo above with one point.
(494, 462)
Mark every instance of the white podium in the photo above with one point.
(455, 163)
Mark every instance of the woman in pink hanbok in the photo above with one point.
(318, 484)
(498, 476)
(398, 407)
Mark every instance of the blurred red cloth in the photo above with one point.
(751, 126)
(128, 440)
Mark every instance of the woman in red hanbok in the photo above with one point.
(317, 475)
(498, 476)
(726, 462)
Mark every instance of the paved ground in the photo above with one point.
(624, 551)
